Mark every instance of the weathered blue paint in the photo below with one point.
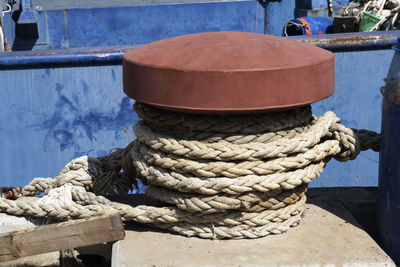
(132, 25)
(62, 57)
(56, 105)
(113, 55)
(353, 41)
(27, 15)
(277, 14)
(191, 18)
(50, 115)
(389, 167)
(357, 101)
(79, 4)
(77, 26)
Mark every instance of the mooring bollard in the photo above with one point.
(389, 167)
(227, 141)
(228, 73)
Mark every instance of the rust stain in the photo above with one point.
(11, 192)
(104, 51)
(351, 39)
(391, 96)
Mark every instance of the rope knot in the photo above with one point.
(349, 142)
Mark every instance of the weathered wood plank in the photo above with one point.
(54, 237)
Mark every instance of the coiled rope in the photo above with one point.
(216, 176)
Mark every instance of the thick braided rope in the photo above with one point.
(244, 124)
(236, 138)
(83, 171)
(251, 202)
(234, 186)
(236, 232)
(248, 151)
(219, 177)
(146, 214)
(198, 167)
(234, 169)
(149, 216)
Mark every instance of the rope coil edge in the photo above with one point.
(217, 176)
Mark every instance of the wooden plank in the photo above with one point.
(64, 235)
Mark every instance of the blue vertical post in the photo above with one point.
(389, 163)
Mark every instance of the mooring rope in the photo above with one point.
(242, 176)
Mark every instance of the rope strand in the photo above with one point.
(216, 176)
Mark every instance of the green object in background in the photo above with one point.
(368, 21)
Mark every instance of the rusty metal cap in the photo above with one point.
(228, 72)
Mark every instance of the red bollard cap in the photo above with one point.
(228, 73)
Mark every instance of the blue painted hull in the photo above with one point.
(59, 104)
(134, 25)
(389, 167)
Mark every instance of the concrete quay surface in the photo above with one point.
(328, 235)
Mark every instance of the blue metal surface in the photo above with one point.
(353, 41)
(61, 57)
(397, 46)
(357, 101)
(79, 4)
(277, 14)
(59, 104)
(49, 115)
(129, 25)
(389, 167)
(71, 24)
(74, 25)
(113, 55)
(56, 105)
(27, 15)
(176, 20)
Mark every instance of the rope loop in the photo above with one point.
(212, 176)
